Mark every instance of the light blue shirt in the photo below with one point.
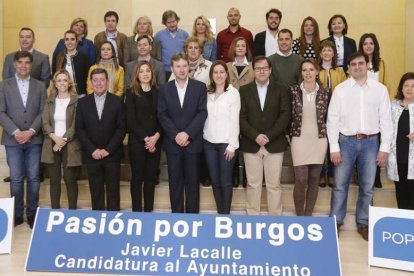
(171, 44)
(100, 102)
(262, 91)
(23, 86)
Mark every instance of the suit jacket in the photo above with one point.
(349, 48)
(141, 117)
(157, 67)
(272, 121)
(189, 118)
(40, 67)
(15, 116)
(259, 48)
(105, 133)
(131, 53)
(100, 38)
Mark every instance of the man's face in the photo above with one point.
(171, 24)
(26, 40)
(285, 42)
(358, 68)
(180, 69)
(23, 66)
(144, 47)
(233, 17)
(99, 84)
(262, 71)
(110, 23)
(273, 21)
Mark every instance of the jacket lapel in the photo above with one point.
(18, 97)
(269, 94)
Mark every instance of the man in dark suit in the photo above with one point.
(265, 43)
(100, 126)
(21, 105)
(264, 116)
(182, 111)
(40, 66)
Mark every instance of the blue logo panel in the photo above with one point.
(182, 244)
(4, 224)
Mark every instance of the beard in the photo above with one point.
(273, 28)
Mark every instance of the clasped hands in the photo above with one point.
(23, 136)
(182, 139)
(262, 140)
(151, 141)
(60, 142)
(99, 154)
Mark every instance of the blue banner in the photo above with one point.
(182, 244)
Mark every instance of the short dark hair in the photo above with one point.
(285, 31)
(23, 54)
(99, 71)
(260, 58)
(27, 29)
(345, 30)
(278, 12)
(179, 56)
(357, 55)
(407, 76)
(147, 37)
(111, 13)
(167, 14)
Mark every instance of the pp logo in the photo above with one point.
(4, 222)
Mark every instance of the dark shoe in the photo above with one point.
(30, 221)
(322, 182)
(41, 177)
(6, 179)
(18, 221)
(363, 231)
(206, 183)
(378, 184)
(338, 226)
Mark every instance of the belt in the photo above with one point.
(360, 136)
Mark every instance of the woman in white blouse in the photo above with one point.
(221, 134)
(61, 148)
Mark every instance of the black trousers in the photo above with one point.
(144, 167)
(404, 189)
(104, 180)
(183, 176)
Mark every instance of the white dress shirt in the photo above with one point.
(271, 45)
(262, 91)
(359, 109)
(181, 91)
(340, 50)
(23, 85)
(222, 123)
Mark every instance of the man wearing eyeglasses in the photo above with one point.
(285, 64)
(264, 116)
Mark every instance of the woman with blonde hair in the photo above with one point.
(144, 143)
(108, 61)
(85, 46)
(61, 148)
(202, 31)
(307, 45)
(143, 26)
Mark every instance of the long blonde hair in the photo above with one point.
(209, 32)
(52, 91)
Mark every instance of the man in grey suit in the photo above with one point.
(21, 104)
(144, 47)
(41, 64)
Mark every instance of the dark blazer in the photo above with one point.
(141, 117)
(272, 121)
(80, 66)
(349, 48)
(157, 67)
(13, 115)
(259, 48)
(189, 118)
(40, 67)
(105, 133)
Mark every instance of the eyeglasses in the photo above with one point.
(261, 69)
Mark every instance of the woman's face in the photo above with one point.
(143, 26)
(368, 46)
(70, 42)
(62, 83)
(408, 90)
(241, 48)
(200, 27)
(144, 74)
(309, 72)
(219, 75)
(79, 28)
(193, 51)
(106, 51)
(327, 54)
(308, 27)
(337, 26)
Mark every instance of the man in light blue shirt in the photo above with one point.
(171, 38)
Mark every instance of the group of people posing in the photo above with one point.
(212, 103)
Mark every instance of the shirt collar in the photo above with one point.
(354, 82)
(282, 54)
(245, 62)
(30, 51)
(302, 87)
(179, 87)
(262, 86)
(103, 96)
(20, 79)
